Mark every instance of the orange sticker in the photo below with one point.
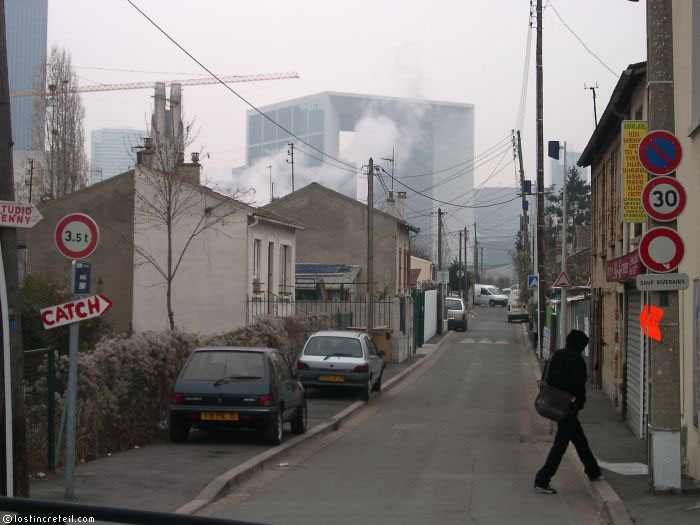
(649, 320)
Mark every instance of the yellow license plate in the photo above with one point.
(332, 379)
(219, 416)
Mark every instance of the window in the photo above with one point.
(371, 349)
(213, 365)
(400, 272)
(285, 269)
(484, 291)
(281, 367)
(328, 345)
(257, 246)
(454, 304)
(270, 129)
(254, 129)
(694, 67)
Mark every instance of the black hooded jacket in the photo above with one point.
(566, 369)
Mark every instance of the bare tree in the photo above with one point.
(58, 130)
(170, 199)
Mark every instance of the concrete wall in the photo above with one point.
(209, 288)
(111, 205)
(430, 317)
(687, 173)
(336, 233)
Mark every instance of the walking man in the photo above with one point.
(567, 371)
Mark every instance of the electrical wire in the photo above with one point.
(581, 41)
(241, 97)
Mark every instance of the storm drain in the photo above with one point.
(417, 426)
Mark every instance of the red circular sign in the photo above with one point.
(76, 236)
(661, 249)
(660, 152)
(663, 198)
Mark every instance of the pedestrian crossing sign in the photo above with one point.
(533, 281)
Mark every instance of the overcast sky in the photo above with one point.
(459, 50)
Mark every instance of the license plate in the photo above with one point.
(219, 416)
(332, 379)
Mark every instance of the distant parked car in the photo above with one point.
(341, 358)
(488, 294)
(456, 314)
(233, 387)
(515, 309)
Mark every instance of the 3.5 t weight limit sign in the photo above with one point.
(76, 236)
(663, 198)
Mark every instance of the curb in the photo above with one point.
(218, 485)
(605, 497)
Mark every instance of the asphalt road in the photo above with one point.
(457, 442)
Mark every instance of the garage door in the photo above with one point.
(634, 363)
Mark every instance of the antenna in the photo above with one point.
(595, 109)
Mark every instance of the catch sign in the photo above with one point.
(663, 198)
(660, 152)
(80, 310)
(661, 249)
(76, 236)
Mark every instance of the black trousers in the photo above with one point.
(568, 430)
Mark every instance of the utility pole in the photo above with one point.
(459, 277)
(370, 245)
(564, 219)
(595, 109)
(465, 294)
(290, 152)
(540, 181)
(392, 167)
(439, 298)
(271, 187)
(14, 452)
(31, 178)
(476, 256)
(664, 355)
(481, 265)
(523, 226)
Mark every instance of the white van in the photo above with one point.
(487, 294)
(516, 310)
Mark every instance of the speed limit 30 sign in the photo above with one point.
(76, 236)
(663, 198)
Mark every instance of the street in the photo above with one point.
(457, 442)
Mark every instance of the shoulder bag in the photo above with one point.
(551, 402)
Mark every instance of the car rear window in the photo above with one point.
(214, 365)
(330, 345)
(454, 304)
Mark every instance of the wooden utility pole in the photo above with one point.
(664, 355)
(540, 181)
(465, 294)
(440, 286)
(476, 256)
(8, 245)
(370, 245)
(523, 225)
(290, 152)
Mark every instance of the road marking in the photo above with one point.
(485, 341)
(468, 341)
(502, 342)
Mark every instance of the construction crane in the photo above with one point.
(227, 79)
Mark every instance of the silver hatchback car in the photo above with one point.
(341, 358)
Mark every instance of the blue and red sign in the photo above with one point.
(660, 152)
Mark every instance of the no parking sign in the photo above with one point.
(660, 152)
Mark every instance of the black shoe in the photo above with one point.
(545, 489)
(599, 477)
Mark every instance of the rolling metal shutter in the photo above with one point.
(634, 363)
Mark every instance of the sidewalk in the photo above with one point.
(617, 448)
(165, 476)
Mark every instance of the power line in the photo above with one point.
(242, 98)
(581, 41)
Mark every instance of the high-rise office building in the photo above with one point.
(497, 225)
(432, 140)
(26, 26)
(556, 175)
(112, 151)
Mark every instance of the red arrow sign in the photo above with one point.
(80, 310)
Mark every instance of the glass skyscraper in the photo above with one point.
(112, 151)
(26, 23)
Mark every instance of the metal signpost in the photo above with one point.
(12, 215)
(76, 236)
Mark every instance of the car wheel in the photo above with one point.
(178, 430)
(299, 420)
(366, 391)
(491, 303)
(377, 387)
(273, 430)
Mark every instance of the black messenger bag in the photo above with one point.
(551, 402)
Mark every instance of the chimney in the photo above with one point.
(401, 204)
(146, 156)
(158, 121)
(188, 170)
(176, 115)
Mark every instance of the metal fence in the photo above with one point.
(39, 379)
(344, 313)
